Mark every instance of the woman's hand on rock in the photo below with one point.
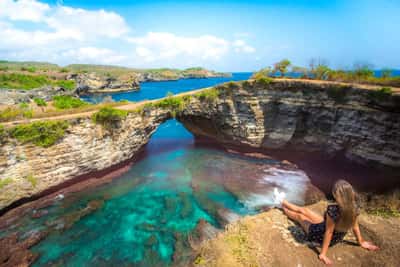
(325, 259)
(368, 245)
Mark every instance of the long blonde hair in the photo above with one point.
(345, 197)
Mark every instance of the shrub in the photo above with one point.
(282, 66)
(381, 94)
(29, 69)
(22, 81)
(23, 105)
(67, 84)
(109, 117)
(208, 94)
(9, 113)
(264, 81)
(66, 102)
(40, 102)
(4, 182)
(44, 133)
(64, 70)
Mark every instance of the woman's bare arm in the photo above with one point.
(360, 239)
(329, 228)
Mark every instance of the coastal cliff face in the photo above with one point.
(295, 115)
(86, 148)
(93, 83)
(281, 115)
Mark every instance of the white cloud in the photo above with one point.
(29, 10)
(162, 45)
(83, 23)
(241, 46)
(93, 55)
(33, 30)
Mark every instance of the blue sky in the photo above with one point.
(227, 36)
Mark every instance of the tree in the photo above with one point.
(282, 66)
(363, 71)
(321, 72)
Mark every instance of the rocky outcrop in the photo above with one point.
(86, 148)
(93, 83)
(270, 239)
(173, 75)
(297, 115)
(13, 96)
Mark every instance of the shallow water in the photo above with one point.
(144, 217)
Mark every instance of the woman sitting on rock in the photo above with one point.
(338, 219)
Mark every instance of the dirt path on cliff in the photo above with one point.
(88, 114)
(270, 239)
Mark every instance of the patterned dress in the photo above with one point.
(316, 231)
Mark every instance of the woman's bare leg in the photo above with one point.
(307, 213)
(298, 217)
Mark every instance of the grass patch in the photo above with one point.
(44, 133)
(28, 82)
(338, 93)
(5, 182)
(32, 179)
(209, 95)
(380, 95)
(264, 81)
(67, 84)
(68, 102)
(109, 117)
(40, 102)
(384, 212)
(11, 113)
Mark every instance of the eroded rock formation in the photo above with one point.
(279, 115)
(304, 116)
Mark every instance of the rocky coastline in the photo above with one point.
(284, 115)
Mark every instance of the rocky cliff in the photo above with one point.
(88, 83)
(362, 123)
(86, 148)
(290, 115)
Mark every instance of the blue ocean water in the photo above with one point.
(154, 90)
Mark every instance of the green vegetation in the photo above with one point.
(109, 117)
(67, 102)
(29, 69)
(43, 133)
(28, 81)
(67, 84)
(32, 179)
(4, 182)
(264, 81)
(40, 102)
(22, 81)
(208, 94)
(11, 113)
(381, 94)
(282, 66)
(319, 70)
